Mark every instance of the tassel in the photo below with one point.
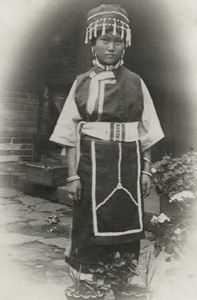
(86, 38)
(90, 32)
(114, 25)
(128, 36)
(95, 29)
(122, 31)
(103, 27)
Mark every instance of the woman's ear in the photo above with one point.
(123, 53)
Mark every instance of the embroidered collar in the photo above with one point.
(106, 68)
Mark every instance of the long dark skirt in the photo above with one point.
(109, 217)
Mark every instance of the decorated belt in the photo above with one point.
(110, 131)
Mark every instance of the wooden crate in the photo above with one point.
(47, 175)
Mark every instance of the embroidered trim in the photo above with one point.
(138, 184)
(93, 154)
(109, 12)
(107, 131)
(94, 89)
(102, 95)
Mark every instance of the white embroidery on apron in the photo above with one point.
(119, 184)
(94, 207)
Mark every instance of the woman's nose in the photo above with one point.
(111, 46)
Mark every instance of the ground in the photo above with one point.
(33, 236)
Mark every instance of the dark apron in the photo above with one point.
(109, 217)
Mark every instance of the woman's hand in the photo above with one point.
(74, 185)
(75, 191)
(146, 184)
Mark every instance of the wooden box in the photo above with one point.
(46, 175)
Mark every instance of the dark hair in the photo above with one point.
(93, 40)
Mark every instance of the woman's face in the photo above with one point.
(109, 48)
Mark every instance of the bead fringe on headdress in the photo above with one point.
(101, 24)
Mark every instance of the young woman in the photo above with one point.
(108, 125)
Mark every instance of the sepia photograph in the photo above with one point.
(98, 149)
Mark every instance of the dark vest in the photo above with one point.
(123, 101)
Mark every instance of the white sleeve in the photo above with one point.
(65, 130)
(150, 131)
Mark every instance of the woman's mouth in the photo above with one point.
(110, 55)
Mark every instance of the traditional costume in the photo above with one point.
(110, 118)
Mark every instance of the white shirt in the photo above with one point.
(149, 128)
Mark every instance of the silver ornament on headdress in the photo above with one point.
(103, 22)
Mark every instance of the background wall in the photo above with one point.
(43, 50)
(21, 74)
(40, 58)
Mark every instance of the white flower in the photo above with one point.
(154, 219)
(182, 196)
(117, 255)
(153, 170)
(162, 218)
(188, 194)
(178, 231)
(177, 197)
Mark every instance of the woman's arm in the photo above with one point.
(74, 186)
(146, 178)
(64, 134)
(150, 132)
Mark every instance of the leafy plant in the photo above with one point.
(172, 234)
(117, 272)
(148, 274)
(163, 232)
(172, 175)
(84, 288)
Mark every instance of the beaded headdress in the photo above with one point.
(107, 17)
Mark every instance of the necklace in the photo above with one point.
(106, 68)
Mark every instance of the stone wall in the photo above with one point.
(21, 70)
(18, 125)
